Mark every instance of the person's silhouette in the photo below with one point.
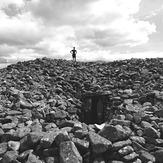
(73, 52)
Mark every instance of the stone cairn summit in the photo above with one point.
(58, 111)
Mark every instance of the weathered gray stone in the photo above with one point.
(120, 144)
(9, 156)
(146, 157)
(159, 113)
(138, 139)
(115, 133)
(120, 122)
(3, 148)
(52, 151)
(34, 137)
(99, 144)
(62, 137)
(137, 147)
(48, 139)
(69, 153)
(130, 157)
(21, 132)
(33, 158)
(14, 145)
(21, 157)
(158, 155)
(81, 143)
(151, 132)
(52, 159)
(125, 150)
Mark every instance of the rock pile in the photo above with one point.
(57, 111)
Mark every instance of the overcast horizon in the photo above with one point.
(99, 29)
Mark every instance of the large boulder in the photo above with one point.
(69, 153)
(99, 144)
(115, 133)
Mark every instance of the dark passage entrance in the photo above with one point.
(94, 108)
(93, 117)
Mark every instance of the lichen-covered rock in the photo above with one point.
(158, 155)
(52, 160)
(31, 158)
(151, 132)
(138, 139)
(48, 139)
(34, 137)
(120, 144)
(3, 148)
(130, 156)
(62, 137)
(126, 150)
(13, 145)
(9, 156)
(120, 122)
(69, 153)
(99, 144)
(115, 133)
(82, 144)
(146, 156)
(137, 147)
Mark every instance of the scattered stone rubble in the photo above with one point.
(58, 111)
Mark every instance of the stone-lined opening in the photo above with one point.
(94, 109)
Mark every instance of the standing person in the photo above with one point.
(73, 52)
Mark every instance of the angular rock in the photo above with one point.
(138, 139)
(22, 156)
(51, 152)
(34, 137)
(120, 144)
(62, 137)
(130, 157)
(3, 148)
(99, 144)
(115, 133)
(69, 153)
(33, 158)
(159, 113)
(9, 156)
(48, 138)
(137, 147)
(151, 132)
(125, 150)
(81, 143)
(52, 160)
(21, 132)
(60, 115)
(13, 145)
(120, 122)
(158, 155)
(146, 156)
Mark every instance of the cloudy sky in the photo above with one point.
(99, 29)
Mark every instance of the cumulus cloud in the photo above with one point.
(6, 3)
(102, 22)
(36, 28)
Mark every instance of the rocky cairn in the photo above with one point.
(58, 111)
